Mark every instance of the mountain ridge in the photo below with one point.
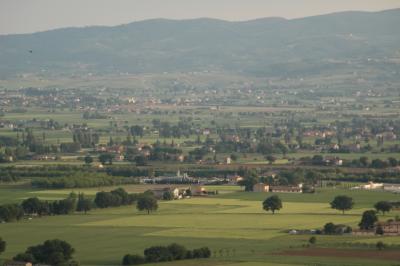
(265, 46)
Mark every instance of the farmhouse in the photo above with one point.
(370, 185)
(198, 190)
(286, 189)
(260, 187)
(390, 228)
(159, 192)
(233, 179)
(395, 188)
(332, 160)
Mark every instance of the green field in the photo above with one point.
(233, 222)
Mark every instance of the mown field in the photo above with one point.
(233, 225)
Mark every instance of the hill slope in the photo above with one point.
(345, 42)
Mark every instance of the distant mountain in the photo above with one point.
(346, 41)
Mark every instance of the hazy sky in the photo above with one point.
(21, 16)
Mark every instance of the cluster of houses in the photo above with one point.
(388, 228)
(386, 135)
(395, 188)
(183, 192)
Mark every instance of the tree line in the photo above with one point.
(171, 252)
(82, 180)
(37, 207)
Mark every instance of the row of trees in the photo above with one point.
(144, 201)
(375, 163)
(37, 207)
(341, 202)
(166, 253)
(118, 197)
(114, 198)
(82, 180)
(344, 203)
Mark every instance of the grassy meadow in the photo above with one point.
(233, 225)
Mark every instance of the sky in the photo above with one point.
(26, 16)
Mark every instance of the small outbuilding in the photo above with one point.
(260, 187)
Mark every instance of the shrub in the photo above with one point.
(336, 229)
(133, 260)
(166, 253)
(204, 252)
(168, 195)
(11, 212)
(380, 245)
(3, 245)
(178, 252)
(157, 254)
(53, 252)
(24, 257)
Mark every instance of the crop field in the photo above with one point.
(232, 224)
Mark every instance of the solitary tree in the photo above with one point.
(383, 206)
(342, 203)
(271, 159)
(273, 204)
(312, 240)
(2, 245)
(368, 220)
(147, 203)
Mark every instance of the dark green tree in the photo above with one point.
(84, 204)
(24, 257)
(147, 203)
(178, 251)
(271, 159)
(31, 205)
(168, 195)
(11, 212)
(368, 220)
(157, 254)
(88, 159)
(3, 245)
(106, 158)
(329, 229)
(342, 203)
(54, 252)
(383, 206)
(133, 260)
(273, 204)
